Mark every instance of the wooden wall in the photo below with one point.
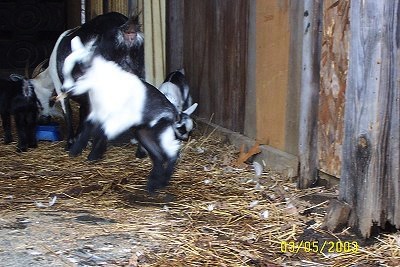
(215, 58)
(370, 179)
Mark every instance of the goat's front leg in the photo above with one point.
(82, 139)
(68, 122)
(141, 153)
(6, 122)
(99, 144)
(20, 124)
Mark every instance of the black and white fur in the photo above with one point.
(176, 89)
(117, 38)
(121, 100)
(18, 98)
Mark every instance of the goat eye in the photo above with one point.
(77, 71)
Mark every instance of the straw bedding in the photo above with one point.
(212, 214)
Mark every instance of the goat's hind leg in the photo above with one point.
(31, 123)
(148, 140)
(162, 148)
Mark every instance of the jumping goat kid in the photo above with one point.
(121, 100)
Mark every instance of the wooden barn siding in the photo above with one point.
(370, 180)
(174, 34)
(309, 94)
(334, 65)
(215, 58)
(271, 68)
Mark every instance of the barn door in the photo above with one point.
(28, 31)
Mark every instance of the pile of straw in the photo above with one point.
(212, 214)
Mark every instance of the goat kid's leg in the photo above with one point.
(6, 123)
(82, 139)
(83, 114)
(68, 122)
(170, 146)
(141, 152)
(31, 123)
(99, 145)
(162, 147)
(148, 140)
(20, 124)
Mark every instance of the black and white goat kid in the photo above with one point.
(120, 101)
(118, 39)
(17, 97)
(176, 89)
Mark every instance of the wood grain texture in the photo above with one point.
(215, 58)
(334, 66)
(309, 93)
(272, 64)
(370, 168)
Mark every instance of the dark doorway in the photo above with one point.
(28, 32)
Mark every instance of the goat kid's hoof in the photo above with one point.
(140, 154)
(21, 149)
(69, 145)
(8, 141)
(74, 152)
(94, 158)
(152, 187)
(33, 145)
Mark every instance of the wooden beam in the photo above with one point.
(174, 34)
(370, 180)
(271, 71)
(309, 93)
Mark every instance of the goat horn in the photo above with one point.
(37, 71)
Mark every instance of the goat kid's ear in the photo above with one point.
(76, 43)
(16, 77)
(182, 70)
(190, 109)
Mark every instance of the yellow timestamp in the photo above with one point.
(319, 246)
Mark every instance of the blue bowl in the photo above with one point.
(48, 132)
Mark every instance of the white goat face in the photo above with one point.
(185, 125)
(76, 64)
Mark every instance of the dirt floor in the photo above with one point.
(62, 211)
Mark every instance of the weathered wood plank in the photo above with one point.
(215, 57)
(174, 34)
(334, 66)
(271, 71)
(370, 173)
(309, 93)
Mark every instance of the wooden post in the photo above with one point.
(370, 180)
(309, 93)
(174, 34)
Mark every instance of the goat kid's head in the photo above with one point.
(27, 86)
(76, 64)
(185, 124)
(130, 32)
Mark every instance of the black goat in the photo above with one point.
(17, 97)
